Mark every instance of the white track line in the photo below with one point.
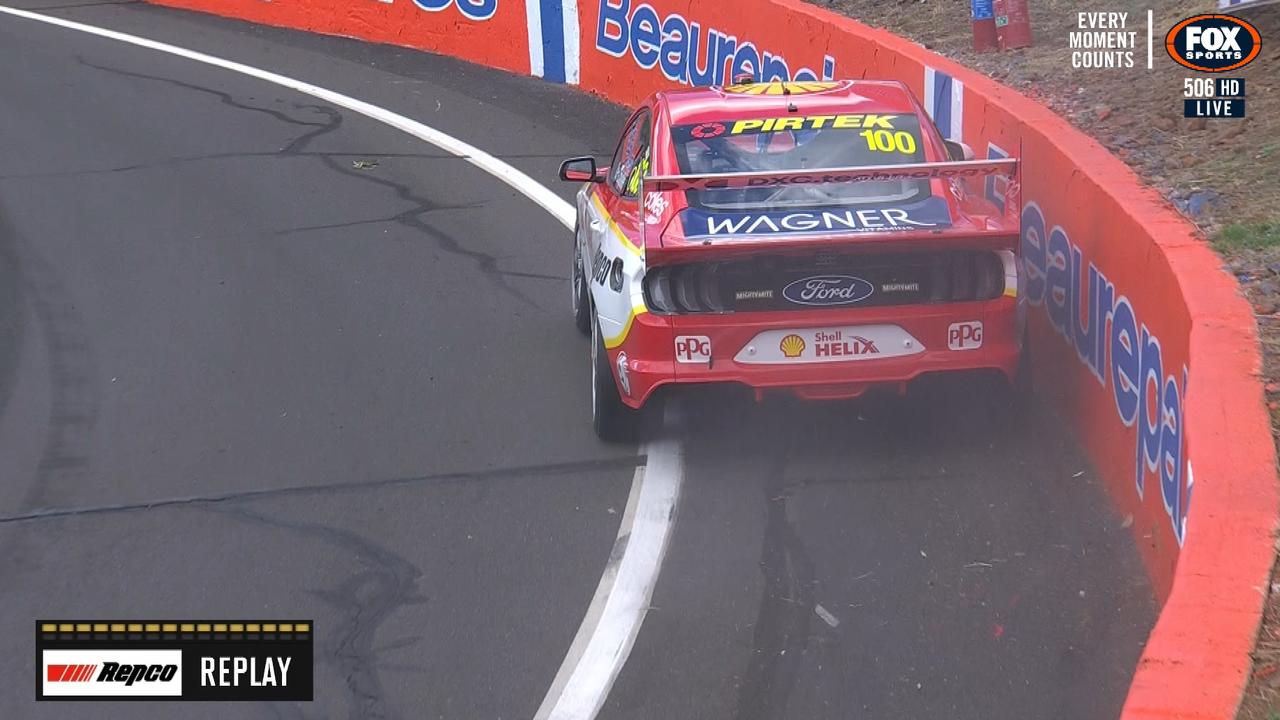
(621, 601)
(622, 598)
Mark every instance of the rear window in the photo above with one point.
(800, 142)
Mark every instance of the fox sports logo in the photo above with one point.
(1213, 43)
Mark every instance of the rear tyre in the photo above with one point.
(578, 285)
(1012, 397)
(614, 422)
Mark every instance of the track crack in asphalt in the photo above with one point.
(226, 99)
(411, 218)
(511, 472)
(781, 634)
(363, 601)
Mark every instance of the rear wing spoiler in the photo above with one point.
(997, 180)
(956, 170)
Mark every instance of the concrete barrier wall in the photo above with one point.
(1139, 339)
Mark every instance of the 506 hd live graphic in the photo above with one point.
(174, 660)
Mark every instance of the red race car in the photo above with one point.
(813, 238)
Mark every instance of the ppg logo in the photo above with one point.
(693, 349)
(472, 9)
(1213, 43)
(964, 336)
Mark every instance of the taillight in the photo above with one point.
(657, 290)
(684, 284)
(962, 277)
(684, 289)
(965, 276)
(989, 274)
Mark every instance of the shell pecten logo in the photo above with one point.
(792, 346)
(778, 87)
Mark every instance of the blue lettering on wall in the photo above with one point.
(675, 45)
(1124, 361)
(472, 9)
(1035, 258)
(1100, 325)
(646, 36)
(686, 53)
(1059, 282)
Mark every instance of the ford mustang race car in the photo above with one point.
(813, 238)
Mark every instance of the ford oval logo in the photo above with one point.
(828, 290)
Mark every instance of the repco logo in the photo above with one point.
(1213, 43)
(111, 672)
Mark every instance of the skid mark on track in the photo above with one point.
(787, 605)
(12, 329)
(412, 218)
(364, 600)
(74, 394)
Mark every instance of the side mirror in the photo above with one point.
(958, 150)
(580, 169)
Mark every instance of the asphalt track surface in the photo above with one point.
(370, 377)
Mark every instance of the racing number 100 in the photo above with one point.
(885, 141)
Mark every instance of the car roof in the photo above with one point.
(767, 99)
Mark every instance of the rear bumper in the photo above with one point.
(651, 363)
